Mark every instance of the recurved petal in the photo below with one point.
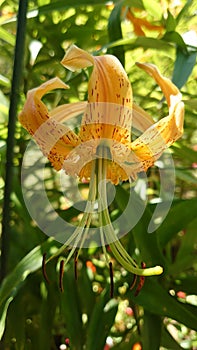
(34, 112)
(151, 144)
(76, 58)
(66, 112)
(55, 139)
(141, 119)
(165, 84)
(110, 101)
(108, 85)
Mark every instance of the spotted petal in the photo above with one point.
(55, 139)
(151, 144)
(108, 88)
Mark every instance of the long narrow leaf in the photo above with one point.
(115, 32)
(177, 219)
(184, 63)
(154, 298)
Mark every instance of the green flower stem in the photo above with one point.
(14, 98)
(84, 224)
(98, 189)
(116, 247)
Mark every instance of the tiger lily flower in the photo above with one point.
(103, 149)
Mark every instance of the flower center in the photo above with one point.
(97, 197)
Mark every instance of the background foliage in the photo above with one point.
(36, 315)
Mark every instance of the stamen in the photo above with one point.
(44, 268)
(75, 265)
(111, 280)
(61, 276)
(133, 282)
(141, 282)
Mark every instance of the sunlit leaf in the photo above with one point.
(3, 313)
(175, 38)
(6, 36)
(153, 7)
(184, 10)
(139, 4)
(115, 32)
(144, 42)
(170, 23)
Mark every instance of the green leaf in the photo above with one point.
(183, 67)
(151, 331)
(4, 108)
(6, 36)
(134, 3)
(115, 32)
(3, 312)
(88, 298)
(180, 215)
(192, 103)
(47, 314)
(185, 283)
(153, 8)
(15, 328)
(101, 321)
(144, 42)
(184, 10)
(154, 298)
(61, 5)
(4, 81)
(184, 152)
(175, 38)
(170, 23)
(29, 264)
(187, 176)
(147, 243)
(186, 255)
(71, 309)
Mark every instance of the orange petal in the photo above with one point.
(139, 23)
(110, 101)
(108, 84)
(141, 119)
(147, 148)
(151, 144)
(55, 139)
(76, 58)
(165, 84)
(66, 112)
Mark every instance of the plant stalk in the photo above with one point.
(14, 98)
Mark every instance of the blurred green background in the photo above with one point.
(33, 313)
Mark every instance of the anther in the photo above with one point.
(133, 282)
(75, 265)
(44, 268)
(61, 276)
(141, 282)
